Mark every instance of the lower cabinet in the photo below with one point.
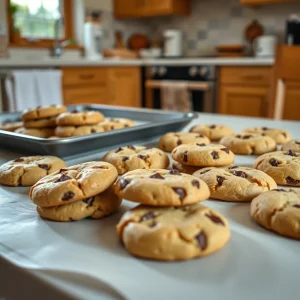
(291, 109)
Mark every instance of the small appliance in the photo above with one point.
(93, 35)
(264, 46)
(173, 43)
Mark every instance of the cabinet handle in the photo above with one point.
(86, 76)
(253, 77)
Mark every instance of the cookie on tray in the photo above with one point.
(130, 158)
(184, 168)
(95, 207)
(73, 183)
(293, 145)
(41, 123)
(11, 126)
(213, 131)
(280, 136)
(249, 143)
(173, 139)
(116, 123)
(203, 155)
(42, 112)
(27, 170)
(161, 188)
(236, 183)
(282, 166)
(68, 131)
(37, 132)
(79, 118)
(173, 233)
(279, 211)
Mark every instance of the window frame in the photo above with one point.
(46, 43)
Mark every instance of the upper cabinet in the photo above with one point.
(264, 2)
(150, 8)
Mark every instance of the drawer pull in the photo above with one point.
(86, 76)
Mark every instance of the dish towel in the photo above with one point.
(49, 86)
(9, 101)
(175, 96)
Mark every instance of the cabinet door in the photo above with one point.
(291, 109)
(128, 8)
(243, 101)
(263, 2)
(124, 86)
(156, 7)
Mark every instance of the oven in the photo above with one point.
(200, 80)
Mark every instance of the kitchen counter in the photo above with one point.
(52, 62)
(85, 260)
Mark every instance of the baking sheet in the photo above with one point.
(255, 264)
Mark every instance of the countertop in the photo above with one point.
(84, 260)
(54, 62)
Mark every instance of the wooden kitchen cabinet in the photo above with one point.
(150, 8)
(264, 2)
(291, 109)
(244, 91)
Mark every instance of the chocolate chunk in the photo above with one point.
(296, 205)
(265, 128)
(153, 224)
(201, 145)
(126, 125)
(143, 157)
(284, 134)
(174, 172)
(67, 196)
(203, 172)
(291, 180)
(226, 150)
(238, 136)
(240, 174)
(274, 162)
(246, 137)
(180, 191)
(63, 170)
(123, 183)
(124, 158)
(89, 201)
(147, 216)
(291, 153)
(157, 176)
(212, 126)
(233, 167)
(196, 183)
(179, 142)
(296, 142)
(185, 156)
(19, 160)
(215, 219)
(131, 147)
(119, 149)
(93, 131)
(63, 177)
(220, 180)
(263, 134)
(44, 166)
(202, 240)
(214, 155)
(279, 190)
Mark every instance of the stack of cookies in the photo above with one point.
(77, 192)
(78, 123)
(169, 224)
(41, 121)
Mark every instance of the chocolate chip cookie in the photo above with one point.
(280, 136)
(37, 132)
(130, 158)
(95, 207)
(161, 188)
(236, 183)
(249, 143)
(27, 170)
(11, 126)
(41, 123)
(279, 211)
(79, 118)
(173, 139)
(293, 145)
(116, 123)
(203, 156)
(213, 131)
(173, 233)
(42, 112)
(184, 168)
(282, 166)
(67, 131)
(74, 183)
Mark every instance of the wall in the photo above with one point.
(3, 30)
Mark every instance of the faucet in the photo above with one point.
(58, 46)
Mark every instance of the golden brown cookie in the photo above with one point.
(116, 123)
(293, 145)
(213, 131)
(42, 112)
(67, 131)
(184, 168)
(79, 118)
(11, 126)
(41, 123)
(37, 132)
(280, 136)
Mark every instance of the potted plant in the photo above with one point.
(14, 31)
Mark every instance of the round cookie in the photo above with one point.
(41, 123)
(161, 188)
(203, 156)
(79, 118)
(173, 139)
(173, 233)
(279, 211)
(236, 183)
(95, 207)
(11, 126)
(116, 123)
(213, 131)
(37, 132)
(293, 145)
(249, 143)
(42, 112)
(68, 131)
(130, 158)
(184, 168)
(27, 170)
(282, 166)
(280, 136)
(74, 183)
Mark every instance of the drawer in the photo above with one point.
(83, 76)
(246, 75)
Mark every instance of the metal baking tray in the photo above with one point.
(150, 124)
